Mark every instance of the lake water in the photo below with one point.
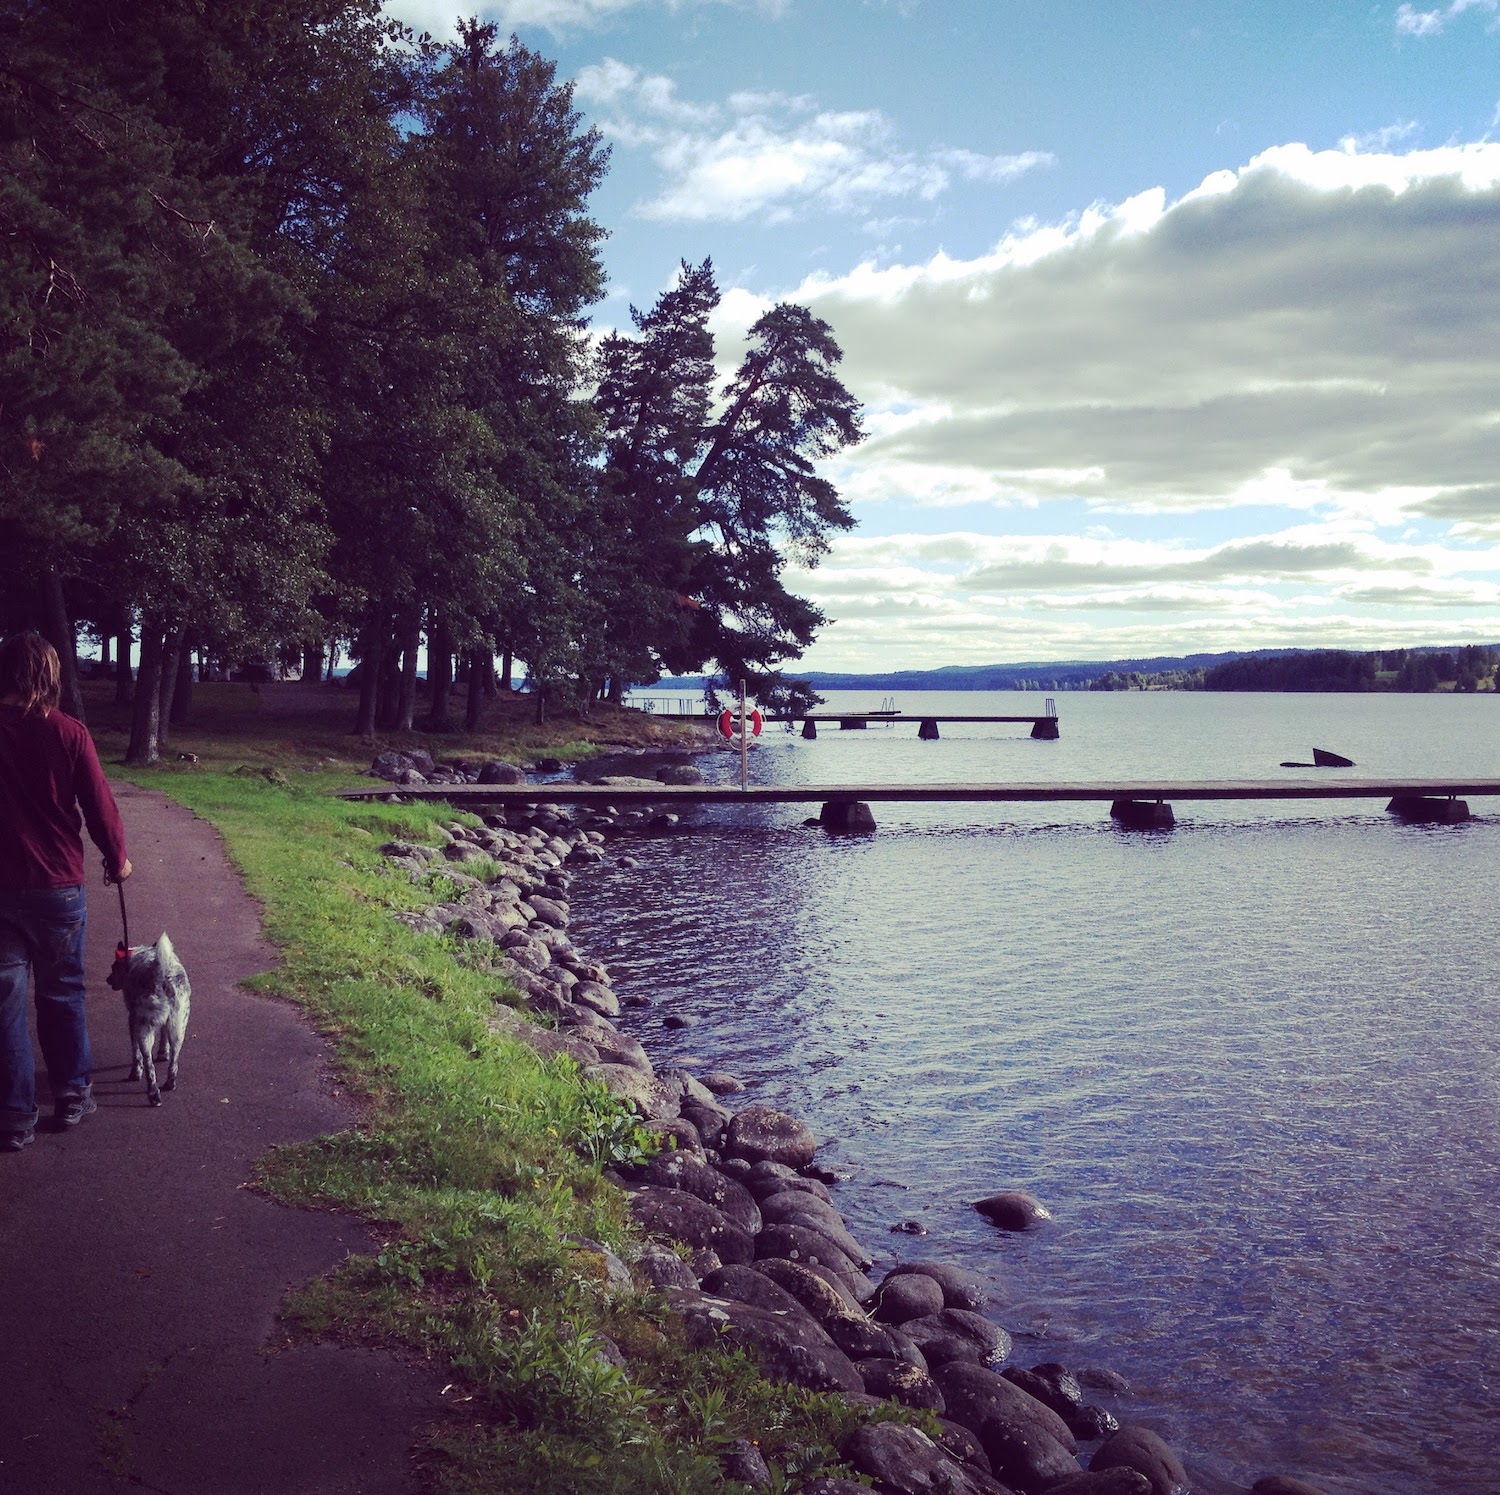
(1252, 1065)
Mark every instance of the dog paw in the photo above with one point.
(153, 1096)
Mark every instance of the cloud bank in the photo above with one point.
(1293, 370)
(769, 157)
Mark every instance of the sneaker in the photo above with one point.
(72, 1107)
(15, 1141)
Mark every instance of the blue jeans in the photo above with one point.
(41, 933)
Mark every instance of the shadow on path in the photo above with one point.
(140, 1281)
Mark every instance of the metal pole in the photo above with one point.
(744, 742)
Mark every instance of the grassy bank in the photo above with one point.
(476, 1159)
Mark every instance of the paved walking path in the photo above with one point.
(139, 1281)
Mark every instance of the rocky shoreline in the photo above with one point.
(744, 1238)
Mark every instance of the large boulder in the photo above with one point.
(793, 1208)
(498, 772)
(1013, 1210)
(972, 1389)
(789, 1347)
(768, 1178)
(672, 1214)
(961, 1289)
(909, 1296)
(802, 1243)
(660, 1267)
(763, 1134)
(958, 1334)
(823, 1293)
(746, 1285)
(626, 1082)
(897, 1381)
(905, 1460)
(682, 1170)
(1146, 1452)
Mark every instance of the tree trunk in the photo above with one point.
(104, 651)
(616, 691)
(182, 696)
(58, 629)
(145, 717)
(371, 662)
(171, 661)
(507, 665)
(480, 666)
(312, 664)
(410, 644)
(124, 685)
(540, 692)
(440, 675)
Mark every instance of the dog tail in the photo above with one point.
(164, 950)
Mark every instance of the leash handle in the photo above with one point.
(124, 918)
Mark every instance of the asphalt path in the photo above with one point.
(140, 1279)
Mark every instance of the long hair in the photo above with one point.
(31, 672)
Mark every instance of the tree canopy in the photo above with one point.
(296, 354)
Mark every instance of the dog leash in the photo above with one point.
(122, 950)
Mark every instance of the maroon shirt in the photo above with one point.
(48, 773)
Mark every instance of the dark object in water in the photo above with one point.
(1322, 758)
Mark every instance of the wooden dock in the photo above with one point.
(1138, 803)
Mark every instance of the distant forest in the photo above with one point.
(1471, 667)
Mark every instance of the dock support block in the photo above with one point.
(928, 731)
(809, 729)
(1423, 809)
(851, 724)
(1045, 729)
(1143, 814)
(842, 816)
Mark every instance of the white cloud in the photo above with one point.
(1413, 22)
(770, 157)
(1316, 331)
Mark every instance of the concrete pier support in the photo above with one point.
(809, 729)
(842, 816)
(1045, 729)
(851, 724)
(1143, 814)
(928, 731)
(1422, 809)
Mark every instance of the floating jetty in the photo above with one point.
(1044, 724)
(1134, 805)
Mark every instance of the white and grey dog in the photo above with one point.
(156, 992)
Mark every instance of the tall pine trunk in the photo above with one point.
(171, 661)
(312, 664)
(124, 680)
(481, 670)
(440, 675)
(145, 716)
(507, 670)
(371, 663)
(58, 629)
(411, 643)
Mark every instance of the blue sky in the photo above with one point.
(1175, 323)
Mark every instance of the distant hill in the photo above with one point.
(1468, 667)
(1030, 675)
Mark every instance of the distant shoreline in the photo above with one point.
(1461, 667)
